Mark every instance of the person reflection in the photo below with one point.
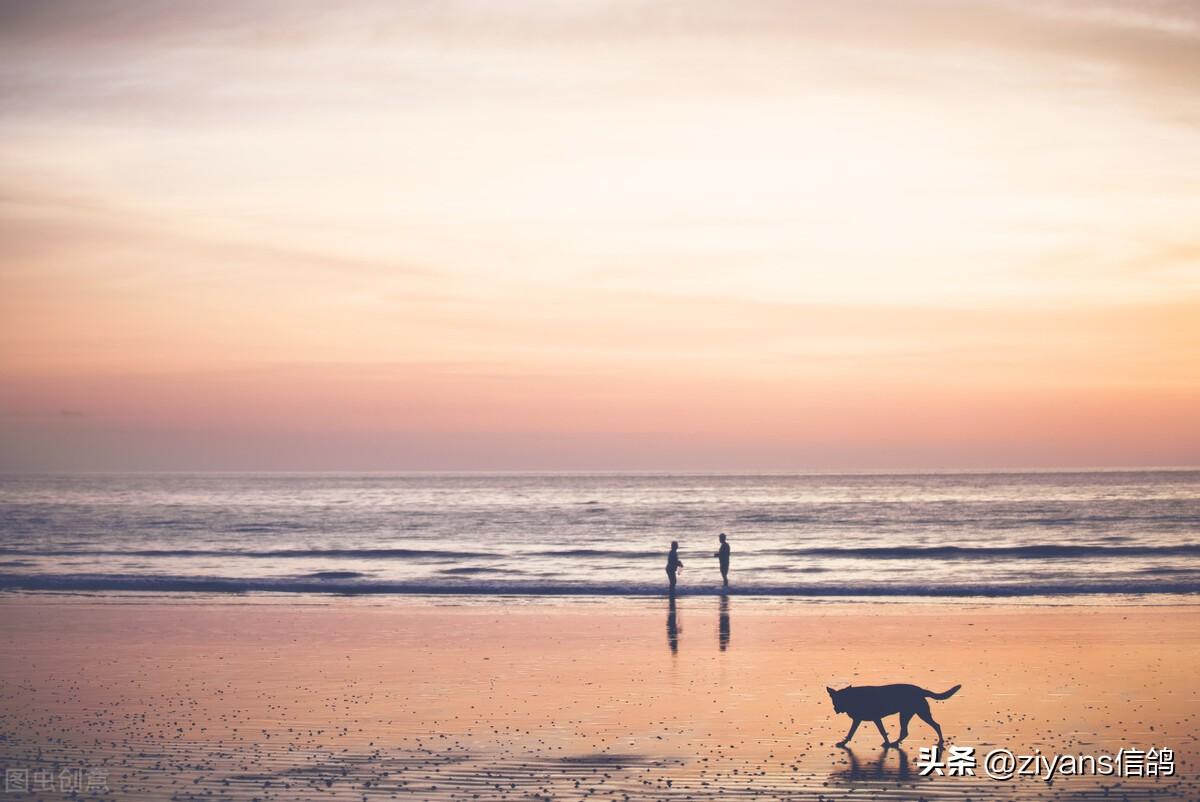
(723, 622)
(672, 626)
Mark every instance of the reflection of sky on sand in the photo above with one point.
(440, 703)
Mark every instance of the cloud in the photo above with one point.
(600, 219)
(34, 225)
(175, 61)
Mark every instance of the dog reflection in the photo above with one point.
(881, 768)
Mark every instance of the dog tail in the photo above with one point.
(943, 694)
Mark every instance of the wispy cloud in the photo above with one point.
(583, 217)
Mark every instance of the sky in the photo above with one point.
(620, 235)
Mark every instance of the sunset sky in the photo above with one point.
(599, 235)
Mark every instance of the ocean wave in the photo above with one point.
(880, 513)
(632, 554)
(276, 526)
(353, 586)
(774, 518)
(1031, 552)
(1170, 570)
(1028, 552)
(407, 554)
(472, 570)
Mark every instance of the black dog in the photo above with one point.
(872, 703)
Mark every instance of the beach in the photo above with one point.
(295, 698)
(614, 401)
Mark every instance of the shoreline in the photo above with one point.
(629, 601)
(354, 586)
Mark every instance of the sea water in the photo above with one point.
(950, 535)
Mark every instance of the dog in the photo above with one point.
(872, 703)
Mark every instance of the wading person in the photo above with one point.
(674, 564)
(723, 556)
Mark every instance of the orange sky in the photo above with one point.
(852, 235)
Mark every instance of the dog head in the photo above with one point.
(835, 697)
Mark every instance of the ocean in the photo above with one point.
(1053, 535)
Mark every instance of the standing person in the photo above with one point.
(723, 555)
(673, 564)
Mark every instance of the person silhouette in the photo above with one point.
(673, 563)
(723, 556)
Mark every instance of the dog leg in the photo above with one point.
(904, 719)
(927, 717)
(883, 732)
(850, 734)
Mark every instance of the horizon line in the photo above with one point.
(945, 471)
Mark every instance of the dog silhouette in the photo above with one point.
(873, 702)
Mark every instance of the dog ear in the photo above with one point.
(832, 692)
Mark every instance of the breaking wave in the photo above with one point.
(1029, 552)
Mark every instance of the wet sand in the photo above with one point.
(358, 699)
